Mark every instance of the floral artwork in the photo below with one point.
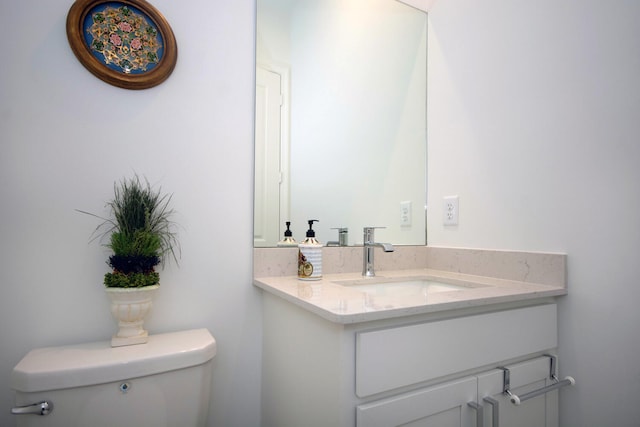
(126, 43)
(123, 37)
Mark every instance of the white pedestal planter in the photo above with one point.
(129, 306)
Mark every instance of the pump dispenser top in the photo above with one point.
(288, 239)
(311, 234)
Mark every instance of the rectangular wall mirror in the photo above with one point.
(341, 128)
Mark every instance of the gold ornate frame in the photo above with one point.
(142, 79)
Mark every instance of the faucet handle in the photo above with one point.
(369, 234)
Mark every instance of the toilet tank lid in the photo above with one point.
(54, 368)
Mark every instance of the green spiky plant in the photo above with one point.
(141, 234)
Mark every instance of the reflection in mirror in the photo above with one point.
(340, 119)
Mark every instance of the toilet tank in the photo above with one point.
(165, 382)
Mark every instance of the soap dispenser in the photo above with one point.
(287, 240)
(310, 256)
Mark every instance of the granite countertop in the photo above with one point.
(344, 304)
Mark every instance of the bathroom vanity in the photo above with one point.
(412, 346)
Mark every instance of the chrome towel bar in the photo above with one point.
(516, 400)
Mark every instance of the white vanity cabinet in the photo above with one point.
(408, 371)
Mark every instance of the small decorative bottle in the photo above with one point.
(287, 240)
(310, 256)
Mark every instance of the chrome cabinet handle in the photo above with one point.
(495, 411)
(42, 408)
(479, 413)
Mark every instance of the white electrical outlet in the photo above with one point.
(450, 210)
(405, 214)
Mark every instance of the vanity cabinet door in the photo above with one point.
(444, 405)
(540, 411)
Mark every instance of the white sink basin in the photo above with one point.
(407, 286)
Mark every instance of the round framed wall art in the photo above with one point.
(126, 43)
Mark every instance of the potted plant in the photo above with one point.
(141, 236)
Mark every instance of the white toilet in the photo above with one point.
(165, 382)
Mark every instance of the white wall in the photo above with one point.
(66, 136)
(533, 122)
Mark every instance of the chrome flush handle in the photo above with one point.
(42, 408)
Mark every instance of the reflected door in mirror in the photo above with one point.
(267, 166)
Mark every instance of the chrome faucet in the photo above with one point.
(343, 237)
(369, 242)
